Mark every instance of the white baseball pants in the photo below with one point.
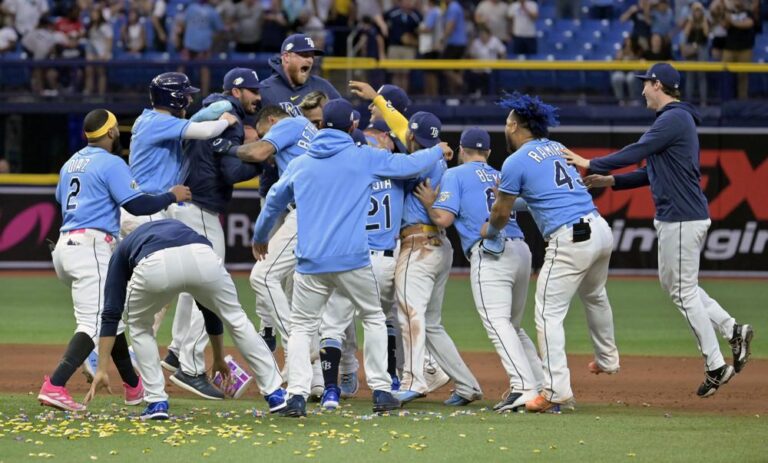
(310, 294)
(268, 275)
(188, 331)
(500, 288)
(571, 268)
(680, 245)
(423, 267)
(81, 260)
(338, 315)
(194, 268)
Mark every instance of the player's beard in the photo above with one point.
(117, 147)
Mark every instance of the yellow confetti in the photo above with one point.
(94, 457)
(536, 451)
(581, 442)
(503, 448)
(491, 441)
(297, 452)
(310, 455)
(113, 452)
(462, 435)
(631, 455)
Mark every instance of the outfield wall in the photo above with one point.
(734, 175)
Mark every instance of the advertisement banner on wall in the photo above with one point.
(734, 177)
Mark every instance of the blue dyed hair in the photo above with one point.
(531, 112)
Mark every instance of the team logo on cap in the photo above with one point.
(254, 75)
(479, 145)
(414, 125)
(238, 81)
(434, 132)
(289, 47)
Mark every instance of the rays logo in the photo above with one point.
(239, 81)
(444, 196)
(289, 47)
(310, 42)
(434, 131)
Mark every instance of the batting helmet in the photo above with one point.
(170, 90)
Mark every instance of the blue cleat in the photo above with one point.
(155, 411)
(276, 400)
(296, 407)
(406, 396)
(395, 383)
(330, 399)
(455, 400)
(384, 401)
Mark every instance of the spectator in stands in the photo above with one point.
(430, 33)
(133, 34)
(601, 9)
(523, 14)
(160, 42)
(98, 48)
(486, 47)
(659, 51)
(26, 13)
(368, 39)
(567, 9)
(454, 42)
(340, 22)
(695, 48)
(630, 51)
(493, 15)
(403, 23)
(199, 23)
(717, 19)
(373, 10)
(641, 27)
(41, 44)
(5, 166)
(274, 28)
(739, 24)
(8, 35)
(662, 20)
(72, 27)
(248, 22)
(226, 10)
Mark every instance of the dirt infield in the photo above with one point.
(663, 383)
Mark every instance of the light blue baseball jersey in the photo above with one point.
(93, 184)
(385, 213)
(414, 211)
(290, 137)
(467, 192)
(156, 154)
(538, 173)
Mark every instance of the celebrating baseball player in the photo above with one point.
(157, 261)
(331, 186)
(211, 179)
(93, 184)
(578, 250)
(671, 151)
(499, 276)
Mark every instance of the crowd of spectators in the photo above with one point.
(97, 30)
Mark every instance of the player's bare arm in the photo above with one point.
(257, 151)
(219, 364)
(427, 196)
(574, 159)
(259, 251)
(362, 90)
(500, 212)
(182, 193)
(101, 378)
(599, 181)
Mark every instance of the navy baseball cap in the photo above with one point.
(664, 73)
(359, 137)
(338, 114)
(395, 96)
(425, 128)
(241, 78)
(379, 125)
(299, 43)
(356, 116)
(475, 138)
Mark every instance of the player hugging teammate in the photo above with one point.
(354, 226)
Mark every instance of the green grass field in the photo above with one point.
(37, 310)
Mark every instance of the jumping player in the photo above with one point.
(671, 150)
(93, 184)
(579, 244)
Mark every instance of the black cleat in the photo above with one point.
(714, 379)
(742, 337)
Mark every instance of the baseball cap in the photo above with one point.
(379, 125)
(664, 73)
(241, 78)
(338, 114)
(299, 43)
(425, 128)
(359, 137)
(395, 96)
(475, 138)
(356, 116)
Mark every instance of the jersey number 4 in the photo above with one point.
(385, 201)
(563, 179)
(74, 189)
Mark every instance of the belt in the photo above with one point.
(107, 237)
(385, 253)
(418, 229)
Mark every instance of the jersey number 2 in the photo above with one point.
(74, 189)
(375, 210)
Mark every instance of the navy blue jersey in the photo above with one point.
(277, 90)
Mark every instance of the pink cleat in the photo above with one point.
(134, 395)
(58, 397)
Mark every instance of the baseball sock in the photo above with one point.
(391, 351)
(330, 357)
(122, 360)
(77, 351)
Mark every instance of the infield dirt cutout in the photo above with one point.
(662, 383)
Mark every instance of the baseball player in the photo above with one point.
(331, 186)
(387, 101)
(671, 151)
(578, 250)
(311, 107)
(499, 281)
(93, 184)
(211, 179)
(338, 337)
(148, 269)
